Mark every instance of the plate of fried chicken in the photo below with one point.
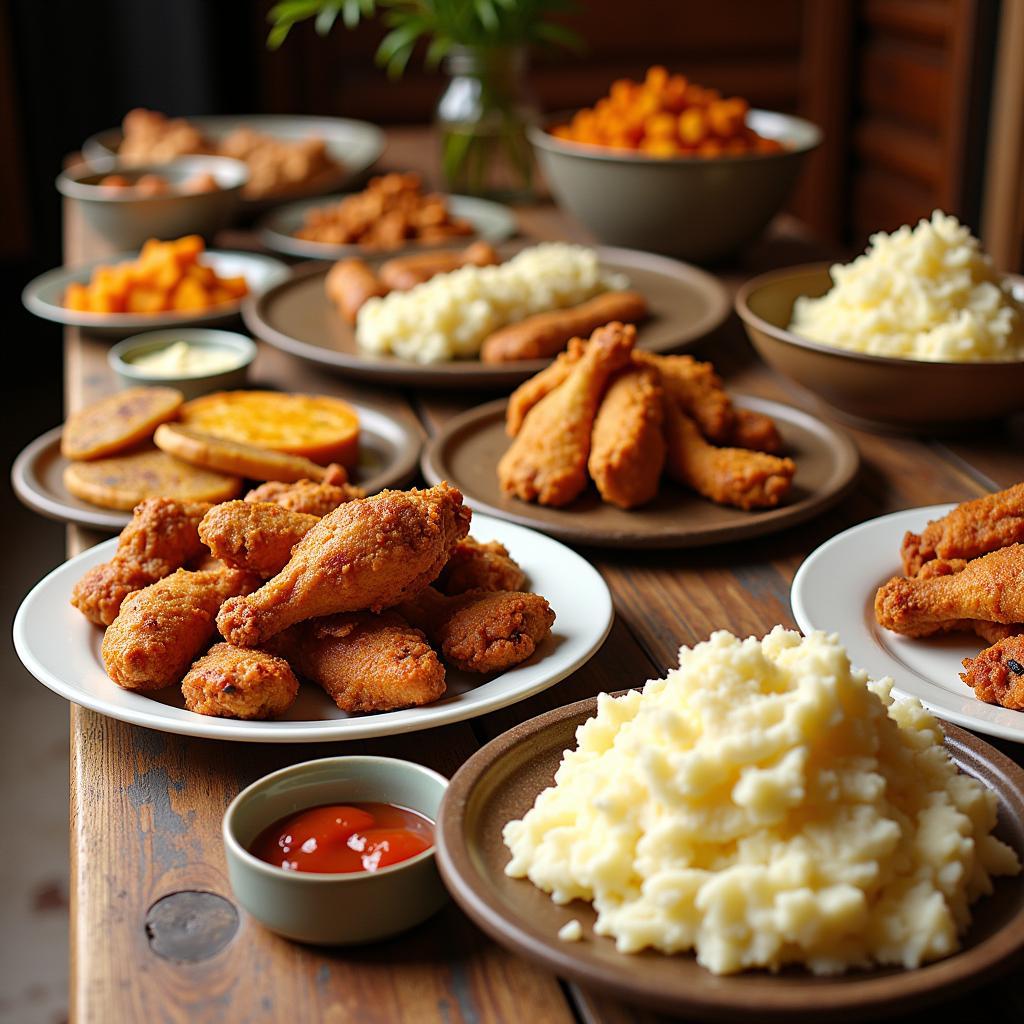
(934, 598)
(252, 620)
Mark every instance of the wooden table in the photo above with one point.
(154, 934)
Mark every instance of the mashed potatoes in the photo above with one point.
(765, 804)
(449, 316)
(926, 293)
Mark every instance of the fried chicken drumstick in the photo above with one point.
(161, 537)
(990, 588)
(365, 555)
(997, 674)
(973, 528)
(162, 628)
(254, 535)
(365, 662)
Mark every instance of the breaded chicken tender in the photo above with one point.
(482, 631)
(307, 496)
(365, 662)
(367, 555)
(990, 588)
(162, 628)
(973, 528)
(477, 566)
(236, 682)
(997, 674)
(729, 476)
(253, 535)
(547, 461)
(628, 445)
(161, 537)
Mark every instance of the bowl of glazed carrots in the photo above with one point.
(669, 166)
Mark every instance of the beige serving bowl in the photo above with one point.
(694, 208)
(334, 909)
(916, 396)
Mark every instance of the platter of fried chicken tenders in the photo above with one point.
(933, 597)
(202, 619)
(612, 444)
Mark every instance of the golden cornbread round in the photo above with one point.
(234, 457)
(318, 427)
(118, 423)
(122, 482)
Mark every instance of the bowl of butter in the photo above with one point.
(195, 361)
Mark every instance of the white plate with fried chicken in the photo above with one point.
(252, 621)
(929, 596)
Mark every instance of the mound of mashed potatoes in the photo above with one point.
(765, 804)
(450, 316)
(926, 293)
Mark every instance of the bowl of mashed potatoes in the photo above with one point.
(918, 333)
(763, 826)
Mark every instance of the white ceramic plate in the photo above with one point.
(62, 650)
(43, 295)
(355, 145)
(492, 222)
(834, 590)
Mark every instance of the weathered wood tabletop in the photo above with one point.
(146, 807)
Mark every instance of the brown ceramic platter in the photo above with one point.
(296, 316)
(467, 450)
(388, 453)
(501, 781)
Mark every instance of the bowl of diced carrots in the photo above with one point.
(164, 284)
(668, 166)
(125, 204)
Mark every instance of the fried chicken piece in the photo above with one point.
(307, 496)
(697, 390)
(997, 674)
(365, 662)
(253, 535)
(729, 476)
(756, 431)
(531, 391)
(628, 444)
(477, 566)
(990, 588)
(161, 537)
(366, 555)
(236, 682)
(941, 567)
(973, 528)
(162, 628)
(482, 631)
(547, 461)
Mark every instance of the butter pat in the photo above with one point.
(765, 804)
(181, 359)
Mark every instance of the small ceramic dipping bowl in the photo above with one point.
(909, 396)
(334, 909)
(127, 219)
(123, 358)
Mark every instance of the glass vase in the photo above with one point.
(483, 117)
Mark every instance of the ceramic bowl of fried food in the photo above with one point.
(196, 195)
(695, 208)
(297, 897)
(912, 396)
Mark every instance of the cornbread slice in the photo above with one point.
(118, 423)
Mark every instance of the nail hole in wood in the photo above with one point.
(190, 926)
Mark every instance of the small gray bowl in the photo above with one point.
(120, 357)
(693, 208)
(341, 909)
(127, 220)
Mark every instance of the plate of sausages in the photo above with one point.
(480, 315)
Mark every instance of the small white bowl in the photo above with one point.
(121, 356)
(334, 909)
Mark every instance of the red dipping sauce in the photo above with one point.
(341, 838)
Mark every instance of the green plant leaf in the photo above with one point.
(439, 47)
(326, 18)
